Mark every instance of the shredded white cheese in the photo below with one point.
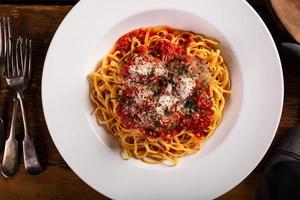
(185, 87)
(142, 95)
(160, 70)
(169, 88)
(179, 107)
(165, 101)
(144, 68)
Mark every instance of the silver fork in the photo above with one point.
(18, 73)
(10, 161)
(10, 157)
(4, 35)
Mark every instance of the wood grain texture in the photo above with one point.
(57, 181)
(38, 23)
(44, 2)
(289, 14)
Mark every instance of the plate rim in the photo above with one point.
(257, 18)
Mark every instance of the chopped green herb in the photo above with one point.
(189, 74)
(173, 126)
(167, 112)
(152, 72)
(190, 105)
(180, 58)
(180, 70)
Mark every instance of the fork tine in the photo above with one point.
(25, 56)
(21, 51)
(18, 61)
(6, 33)
(13, 56)
(29, 61)
(6, 43)
(8, 27)
(8, 62)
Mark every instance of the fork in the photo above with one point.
(4, 35)
(18, 73)
(10, 157)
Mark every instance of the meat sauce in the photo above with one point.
(164, 90)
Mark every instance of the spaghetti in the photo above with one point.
(161, 92)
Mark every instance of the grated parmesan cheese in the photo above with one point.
(142, 95)
(160, 70)
(169, 88)
(144, 68)
(165, 101)
(186, 86)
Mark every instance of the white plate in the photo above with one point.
(250, 120)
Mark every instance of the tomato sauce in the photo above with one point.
(124, 42)
(192, 113)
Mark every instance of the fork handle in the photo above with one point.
(2, 135)
(10, 157)
(31, 161)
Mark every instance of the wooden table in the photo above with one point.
(39, 20)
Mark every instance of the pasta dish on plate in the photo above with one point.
(161, 92)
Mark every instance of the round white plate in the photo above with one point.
(250, 120)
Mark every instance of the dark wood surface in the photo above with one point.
(289, 14)
(39, 21)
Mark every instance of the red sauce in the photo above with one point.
(124, 42)
(165, 49)
(141, 50)
(195, 113)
